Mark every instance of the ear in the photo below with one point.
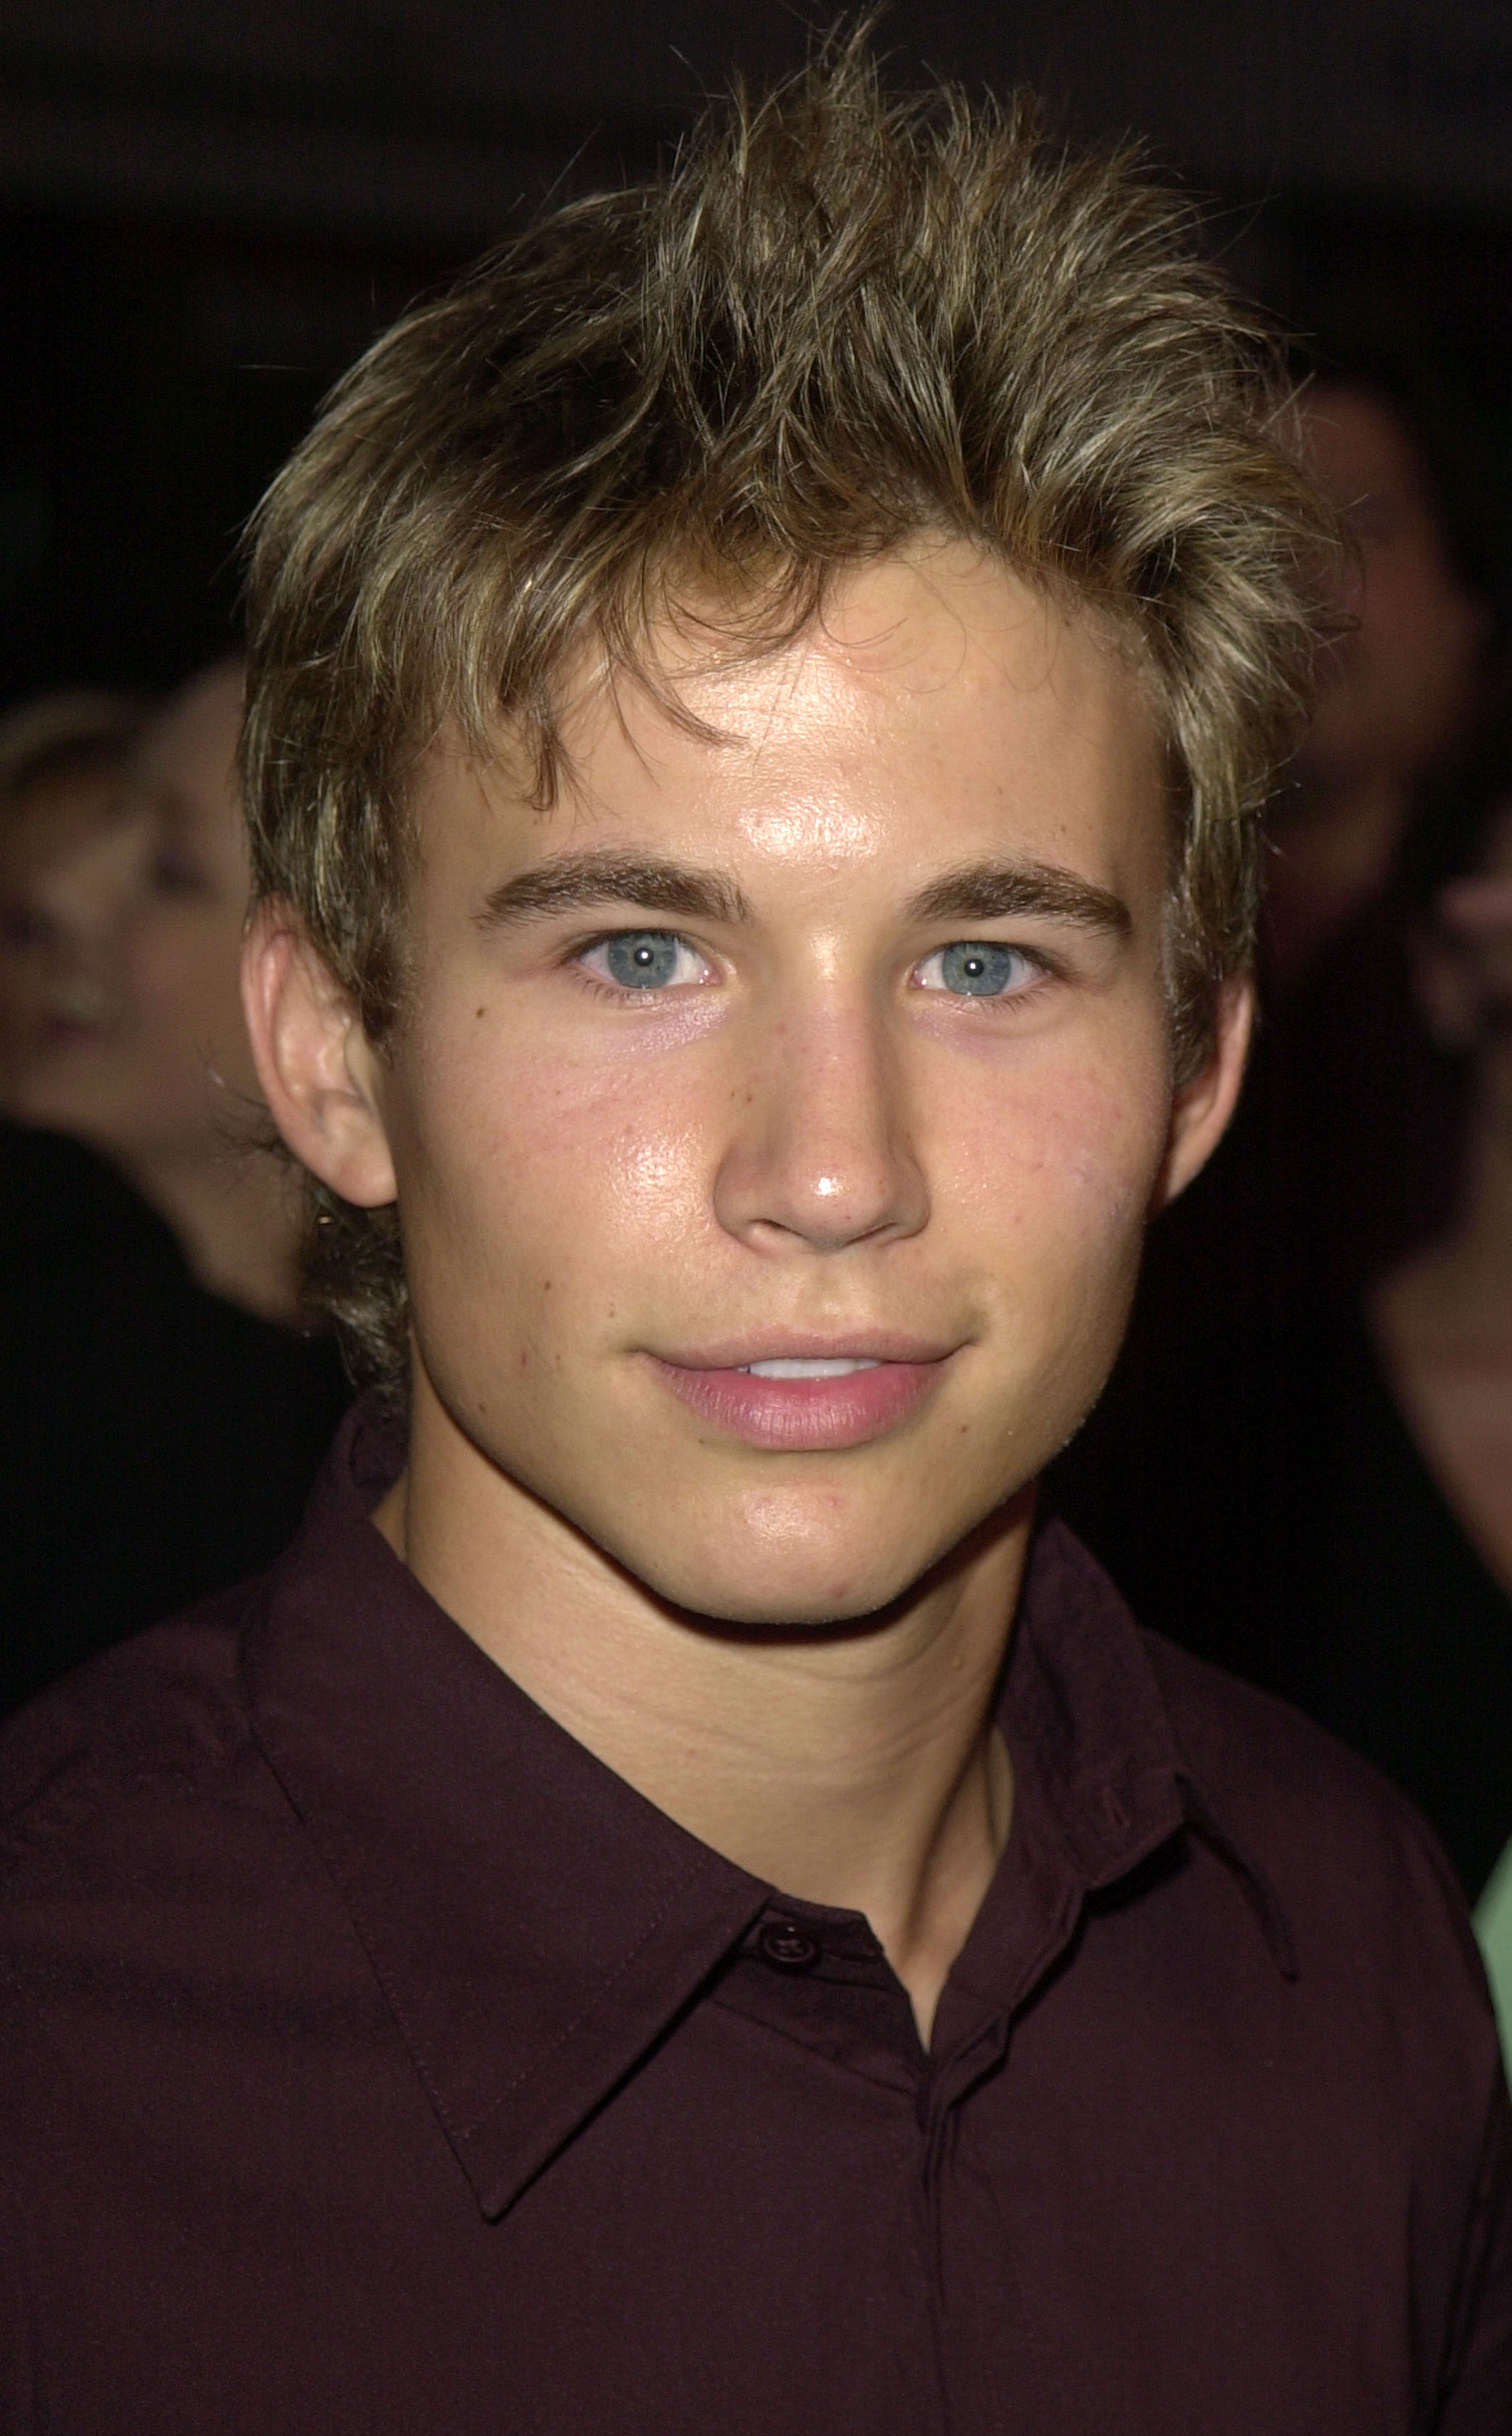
(1201, 1110)
(314, 1061)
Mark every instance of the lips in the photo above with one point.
(805, 1402)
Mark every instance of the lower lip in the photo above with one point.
(806, 1415)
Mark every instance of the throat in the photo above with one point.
(851, 1765)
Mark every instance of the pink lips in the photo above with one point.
(806, 1415)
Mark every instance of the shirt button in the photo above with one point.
(788, 1947)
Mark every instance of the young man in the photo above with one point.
(674, 1907)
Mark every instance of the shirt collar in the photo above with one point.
(1101, 1780)
(534, 1923)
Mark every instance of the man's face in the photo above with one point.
(838, 1045)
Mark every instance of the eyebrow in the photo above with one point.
(990, 892)
(605, 877)
(977, 892)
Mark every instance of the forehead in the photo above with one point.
(938, 706)
(189, 750)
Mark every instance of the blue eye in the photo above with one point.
(645, 960)
(975, 969)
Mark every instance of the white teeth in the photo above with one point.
(802, 1369)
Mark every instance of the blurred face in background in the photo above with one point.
(140, 1048)
(56, 824)
(1398, 690)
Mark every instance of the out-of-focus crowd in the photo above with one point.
(1303, 1468)
(162, 1415)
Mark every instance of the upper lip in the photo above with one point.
(782, 1344)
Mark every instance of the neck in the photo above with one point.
(232, 1213)
(856, 1767)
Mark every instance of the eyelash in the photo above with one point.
(614, 992)
(1041, 967)
(1034, 966)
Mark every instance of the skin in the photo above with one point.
(803, 1144)
(144, 1052)
(70, 822)
(1399, 684)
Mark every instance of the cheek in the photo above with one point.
(1050, 1206)
(183, 977)
(544, 1168)
(1063, 1157)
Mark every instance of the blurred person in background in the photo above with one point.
(1343, 1156)
(1345, 1152)
(61, 763)
(1351, 1471)
(1391, 1421)
(161, 1417)
(1403, 682)
(1415, 1617)
(139, 1048)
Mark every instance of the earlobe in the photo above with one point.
(313, 1059)
(1202, 1108)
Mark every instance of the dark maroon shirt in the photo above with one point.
(373, 2059)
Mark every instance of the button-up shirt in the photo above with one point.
(373, 2057)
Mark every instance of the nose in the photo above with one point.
(822, 1152)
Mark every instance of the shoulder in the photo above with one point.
(146, 1750)
(1367, 1894)
(161, 1904)
(1265, 1759)
(1360, 1887)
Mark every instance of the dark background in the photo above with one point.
(206, 209)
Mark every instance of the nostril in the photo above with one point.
(821, 1155)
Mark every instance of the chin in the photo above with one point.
(791, 1610)
(787, 1591)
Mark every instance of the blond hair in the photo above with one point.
(838, 321)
